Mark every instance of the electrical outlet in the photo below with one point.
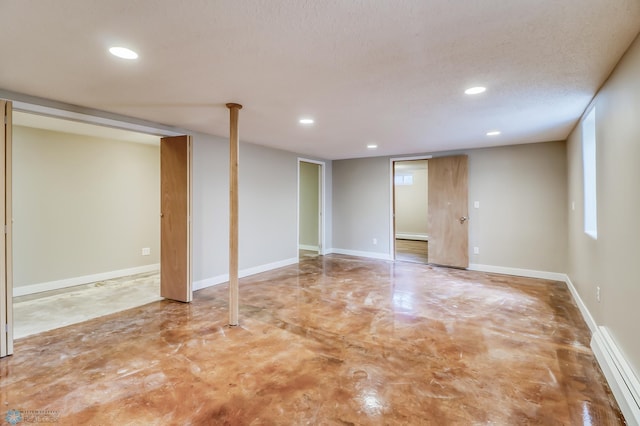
(573, 205)
(598, 293)
(375, 241)
(146, 251)
(476, 250)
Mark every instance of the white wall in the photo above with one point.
(82, 205)
(522, 218)
(610, 261)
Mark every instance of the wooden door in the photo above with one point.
(6, 260)
(175, 222)
(448, 216)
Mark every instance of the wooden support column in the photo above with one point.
(234, 143)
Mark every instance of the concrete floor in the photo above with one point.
(332, 340)
(53, 309)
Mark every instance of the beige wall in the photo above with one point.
(411, 200)
(609, 261)
(82, 205)
(361, 203)
(268, 205)
(268, 201)
(210, 206)
(522, 219)
(521, 222)
(309, 203)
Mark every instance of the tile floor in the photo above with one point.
(333, 340)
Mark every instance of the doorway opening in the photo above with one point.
(311, 203)
(410, 203)
(86, 230)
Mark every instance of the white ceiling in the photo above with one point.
(390, 72)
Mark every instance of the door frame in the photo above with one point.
(392, 199)
(6, 247)
(322, 205)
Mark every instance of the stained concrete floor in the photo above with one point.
(332, 340)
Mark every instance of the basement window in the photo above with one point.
(589, 169)
(403, 180)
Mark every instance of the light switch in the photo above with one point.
(476, 204)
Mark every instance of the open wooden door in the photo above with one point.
(175, 222)
(448, 216)
(6, 275)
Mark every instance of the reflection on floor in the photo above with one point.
(331, 340)
(412, 251)
(53, 309)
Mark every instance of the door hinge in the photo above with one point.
(6, 328)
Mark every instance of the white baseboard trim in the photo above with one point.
(588, 318)
(223, 278)
(622, 381)
(307, 247)
(369, 254)
(86, 279)
(530, 273)
(408, 236)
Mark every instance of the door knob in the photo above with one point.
(463, 219)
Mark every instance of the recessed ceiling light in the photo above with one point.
(123, 52)
(475, 90)
(493, 133)
(306, 121)
(372, 146)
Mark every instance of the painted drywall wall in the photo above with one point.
(268, 205)
(411, 205)
(82, 205)
(361, 200)
(210, 206)
(522, 219)
(521, 222)
(610, 261)
(309, 204)
(268, 185)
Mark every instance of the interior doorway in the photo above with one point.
(447, 220)
(310, 208)
(410, 201)
(87, 221)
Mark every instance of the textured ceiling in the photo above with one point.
(369, 71)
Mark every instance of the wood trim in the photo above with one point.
(189, 218)
(234, 143)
